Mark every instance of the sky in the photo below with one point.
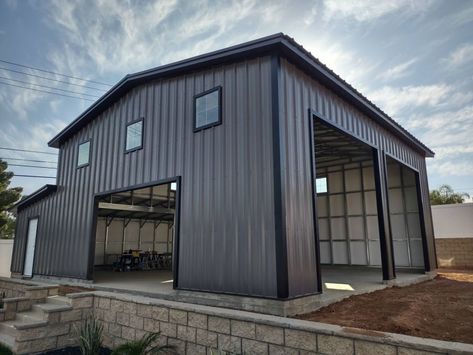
(412, 58)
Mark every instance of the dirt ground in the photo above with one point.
(440, 309)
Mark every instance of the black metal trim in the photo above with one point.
(134, 149)
(392, 156)
(313, 174)
(213, 124)
(89, 140)
(282, 279)
(176, 239)
(423, 231)
(26, 246)
(382, 203)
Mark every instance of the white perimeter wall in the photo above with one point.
(6, 249)
(453, 221)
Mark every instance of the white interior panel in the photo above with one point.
(354, 203)
(395, 200)
(375, 253)
(356, 229)
(358, 253)
(322, 206)
(323, 229)
(401, 253)
(352, 180)
(325, 252)
(411, 199)
(394, 175)
(372, 227)
(413, 223)
(337, 205)
(368, 178)
(417, 256)
(337, 226)
(370, 202)
(398, 226)
(340, 253)
(335, 182)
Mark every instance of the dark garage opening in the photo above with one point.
(347, 213)
(135, 238)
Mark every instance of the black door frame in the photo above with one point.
(177, 218)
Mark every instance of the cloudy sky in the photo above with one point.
(413, 58)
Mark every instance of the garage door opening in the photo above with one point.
(346, 210)
(135, 238)
(406, 219)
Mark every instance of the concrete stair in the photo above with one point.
(34, 323)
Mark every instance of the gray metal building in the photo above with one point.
(244, 133)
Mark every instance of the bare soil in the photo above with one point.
(440, 309)
(65, 289)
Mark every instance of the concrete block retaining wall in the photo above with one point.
(456, 253)
(196, 329)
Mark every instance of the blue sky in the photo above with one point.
(413, 58)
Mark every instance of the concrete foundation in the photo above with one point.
(339, 282)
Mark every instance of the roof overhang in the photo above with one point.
(275, 44)
(36, 196)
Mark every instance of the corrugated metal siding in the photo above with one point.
(227, 204)
(298, 93)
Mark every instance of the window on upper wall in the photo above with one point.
(83, 157)
(208, 109)
(134, 136)
(321, 185)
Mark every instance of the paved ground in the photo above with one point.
(441, 309)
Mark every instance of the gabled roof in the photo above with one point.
(35, 196)
(277, 43)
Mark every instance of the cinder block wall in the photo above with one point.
(455, 253)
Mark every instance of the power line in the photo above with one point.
(50, 87)
(48, 92)
(36, 176)
(57, 80)
(33, 166)
(31, 160)
(51, 72)
(28, 151)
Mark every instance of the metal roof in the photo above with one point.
(279, 44)
(35, 196)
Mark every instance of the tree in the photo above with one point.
(445, 195)
(8, 196)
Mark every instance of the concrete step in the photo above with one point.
(12, 327)
(58, 300)
(30, 316)
(51, 307)
(7, 340)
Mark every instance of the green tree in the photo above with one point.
(445, 195)
(8, 196)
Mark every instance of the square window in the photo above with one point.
(321, 185)
(208, 109)
(134, 136)
(84, 154)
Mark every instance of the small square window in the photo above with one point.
(134, 136)
(84, 154)
(321, 185)
(207, 107)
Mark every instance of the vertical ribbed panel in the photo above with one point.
(299, 93)
(227, 207)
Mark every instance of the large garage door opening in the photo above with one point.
(135, 238)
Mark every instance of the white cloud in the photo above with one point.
(366, 10)
(395, 99)
(112, 36)
(460, 56)
(398, 71)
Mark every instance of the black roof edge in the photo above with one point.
(35, 196)
(277, 42)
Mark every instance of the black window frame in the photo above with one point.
(141, 119)
(213, 124)
(78, 152)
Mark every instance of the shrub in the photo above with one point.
(90, 337)
(143, 346)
